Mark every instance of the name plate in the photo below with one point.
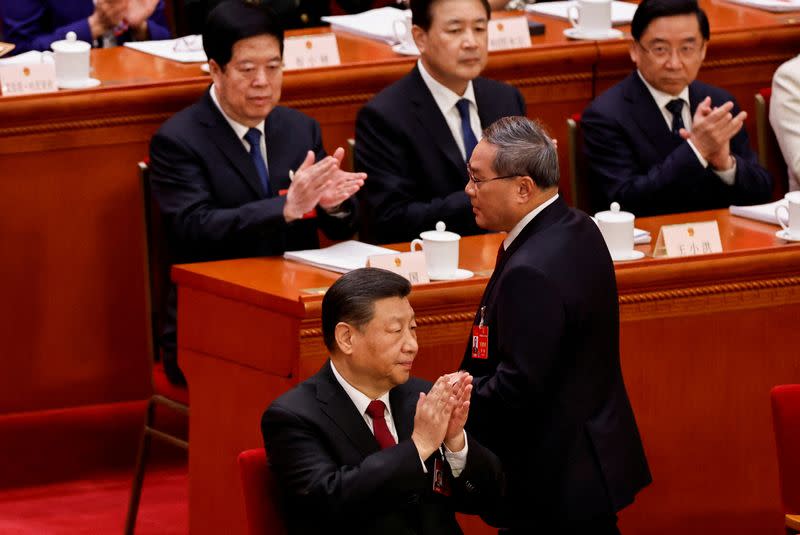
(310, 52)
(688, 239)
(409, 265)
(28, 79)
(506, 34)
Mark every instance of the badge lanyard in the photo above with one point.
(480, 338)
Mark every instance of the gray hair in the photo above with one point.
(523, 148)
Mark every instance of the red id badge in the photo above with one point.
(480, 342)
(441, 481)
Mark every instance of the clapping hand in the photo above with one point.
(432, 418)
(461, 385)
(342, 185)
(712, 131)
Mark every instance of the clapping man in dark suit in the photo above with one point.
(548, 395)
(360, 447)
(235, 174)
(660, 141)
(415, 136)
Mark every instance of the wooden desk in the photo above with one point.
(69, 199)
(703, 340)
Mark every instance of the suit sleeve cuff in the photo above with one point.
(700, 158)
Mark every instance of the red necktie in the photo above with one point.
(501, 252)
(376, 410)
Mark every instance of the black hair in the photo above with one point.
(421, 12)
(351, 299)
(234, 20)
(649, 10)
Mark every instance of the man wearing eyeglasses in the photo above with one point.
(662, 142)
(235, 174)
(548, 395)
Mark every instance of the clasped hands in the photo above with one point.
(712, 131)
(442, 413)
(110, 14)
(323, 183)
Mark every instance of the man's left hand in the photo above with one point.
(461, 383)
(342, 186)
(138, 13)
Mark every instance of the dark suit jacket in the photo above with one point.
(416, 174)
(211, 198)
(335, 478)
(634, 159)
(34, 24)
(550, 400)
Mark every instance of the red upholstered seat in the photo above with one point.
(786, 419)
(260, 494)
(162, 386)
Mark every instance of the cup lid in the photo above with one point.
(440, 234)
(70, 44)
(614, 215)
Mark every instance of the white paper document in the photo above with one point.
(621, 12)
(375, 24)
(26, 58)
(759, 212)
(341, 257)
(187, 49)
(776, 6)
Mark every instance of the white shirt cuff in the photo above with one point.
(457, 459)
(728, 176)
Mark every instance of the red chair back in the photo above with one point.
(786, 419)
(260, 494)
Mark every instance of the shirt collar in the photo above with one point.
(359, 399)
(238, 127)
(445, 98)
(662, 98)
(525, 220)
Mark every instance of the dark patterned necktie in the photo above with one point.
(466, 128)
(675, 107)
(253, 137)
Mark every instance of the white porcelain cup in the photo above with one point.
(617, 229)
(792, 209)
(440, 248)
(402, 32)
(71, 59)
(591, 16)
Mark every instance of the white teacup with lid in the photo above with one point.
(441, 253)
(617, 229)
(72, 63)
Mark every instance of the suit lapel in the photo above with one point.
(403, 408)
(335, 402)
(486, 108)
(279, 150)
(221, 133)
(430, 119)
(648, 116)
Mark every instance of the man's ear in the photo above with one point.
(526, 189)
(214, 70)
(343, 334)
(420, 37)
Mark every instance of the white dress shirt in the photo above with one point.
(662, 99)
(456, 460)
(241, 129)
(514, 232)
(446, 101)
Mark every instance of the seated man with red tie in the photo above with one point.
(363, 447)
(235, 174)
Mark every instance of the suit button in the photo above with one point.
(469, 486)
(413, 499)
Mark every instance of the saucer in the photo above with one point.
(455, 276)
(78, 84)
(784, 235)
(576, 33)
(205, 68)
(625, 257)
(404, 50)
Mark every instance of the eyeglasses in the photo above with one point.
(190, 43)
(479, 182)
(662, 52)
